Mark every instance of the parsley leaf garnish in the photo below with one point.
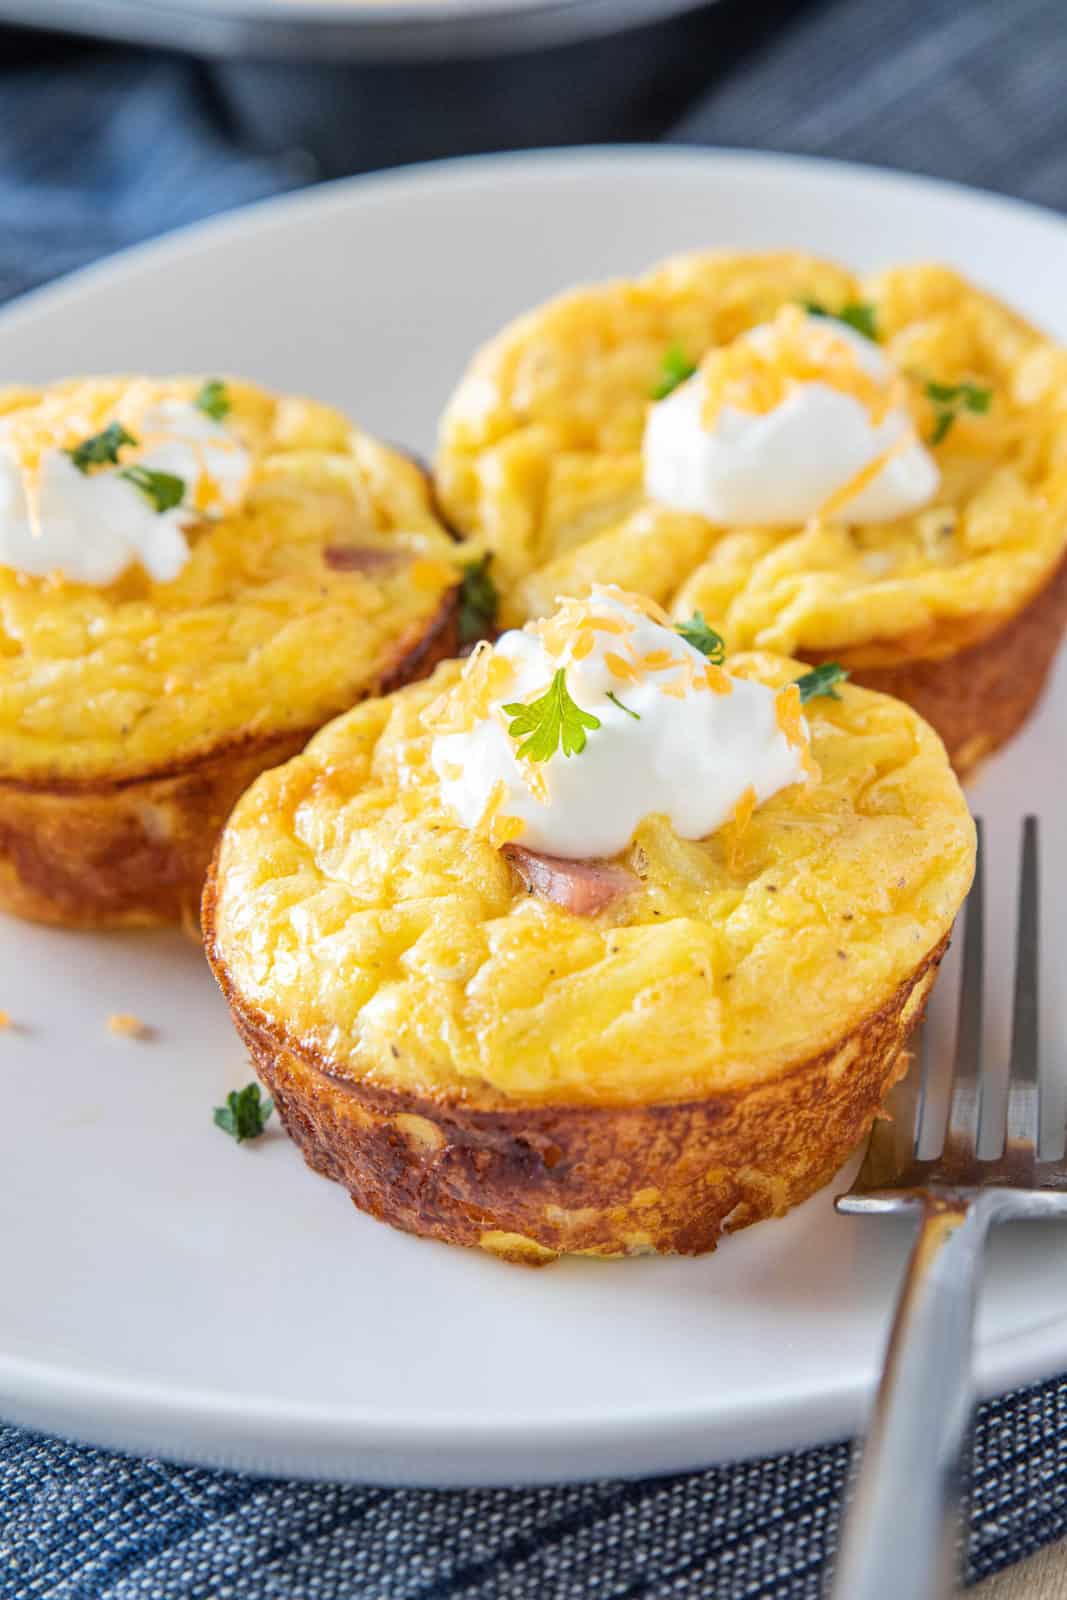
(163, 489)
(245, 1114)
(699, 633)
(859, 316)
(101, 448)
(676, 369)
(617, 702)
(950, 399)
(478, 601)
(821, 681)
(549, 721)
(213, 400)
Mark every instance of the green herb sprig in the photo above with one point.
(479, 601)
(549, 722)
(617, 702)
(676, 369)
(163, 489)
(858, 315)
(822, 681)
(245, 1114)
(101, 449)
(950, 400)
(213, 400)
(702, 636)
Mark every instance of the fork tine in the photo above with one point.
(934, 1045)
(1024, 1089)
(961, 1135)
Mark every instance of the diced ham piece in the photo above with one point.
(361, 558)
(584, 887)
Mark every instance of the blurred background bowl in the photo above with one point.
(350, 86)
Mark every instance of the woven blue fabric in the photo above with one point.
(99, 149)
(84, 1525)
(100, 152)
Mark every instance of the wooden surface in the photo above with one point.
(1043, 1577)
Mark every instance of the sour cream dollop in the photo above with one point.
(678, 740)
(787, 464)
(90, 526)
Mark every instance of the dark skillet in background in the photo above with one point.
(350, 88)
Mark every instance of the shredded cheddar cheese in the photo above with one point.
(737, 827)
(789, 715)
(859, 481)
(790, 720)
(536, 782)
(757, 376)
(484, 679)
(675, 688)
(621, 667)
(493, 825)
(648, 608)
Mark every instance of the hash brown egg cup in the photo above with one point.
(957, 608)
(133, 713)
(477, 1064)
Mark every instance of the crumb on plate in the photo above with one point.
(124, 1022)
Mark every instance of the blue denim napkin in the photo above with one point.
(99, 149)
(85, 1525)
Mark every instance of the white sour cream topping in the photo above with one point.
(782, 466)
(90, 527)
(691, 759)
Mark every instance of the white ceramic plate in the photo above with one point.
(165, 1290)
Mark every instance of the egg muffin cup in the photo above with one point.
(134, 714)
(958, 607)
(479, 1065)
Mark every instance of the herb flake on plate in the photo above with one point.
(245, 1114)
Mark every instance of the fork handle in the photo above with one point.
(901, 1537)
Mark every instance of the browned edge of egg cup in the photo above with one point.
(530, 1183)
(979, 697)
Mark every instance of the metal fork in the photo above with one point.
(902, 1537)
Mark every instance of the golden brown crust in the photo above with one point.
(531, 1183)
(979, 697)
(133, 849)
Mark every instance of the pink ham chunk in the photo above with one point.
(361, 558)
(584, 887)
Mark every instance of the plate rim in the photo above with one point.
(264, 213)
(512, 1453)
